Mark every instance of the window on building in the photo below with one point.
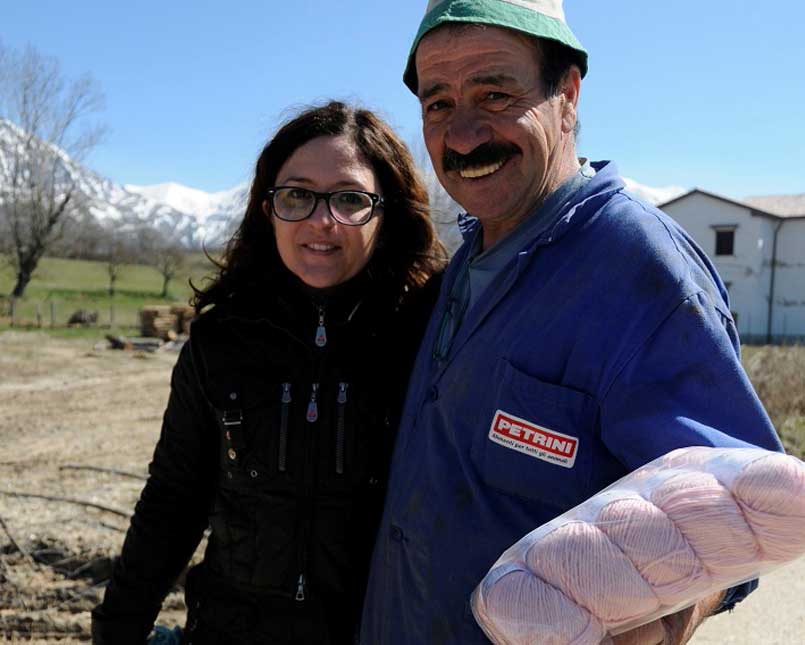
(725, 241)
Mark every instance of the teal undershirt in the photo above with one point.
(483, 266)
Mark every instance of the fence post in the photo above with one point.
(39, 315)
(13, 306)
(111, 316)
(52, 314)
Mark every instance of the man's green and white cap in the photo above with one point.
(541, 18)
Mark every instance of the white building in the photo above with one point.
(758, 247)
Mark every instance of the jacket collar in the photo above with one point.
(558, 222)
(283, 299)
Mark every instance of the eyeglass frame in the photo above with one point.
(376, 200)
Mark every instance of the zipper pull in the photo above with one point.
(321, 331)
(300, 588)
(286, 392)
(313, 406)
(342, 392)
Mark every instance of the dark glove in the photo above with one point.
(164, 636)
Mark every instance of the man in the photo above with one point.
(571, 306)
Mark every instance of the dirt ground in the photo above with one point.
(67, 403)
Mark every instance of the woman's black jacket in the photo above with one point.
(277, 435)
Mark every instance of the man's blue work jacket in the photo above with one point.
(607, 341)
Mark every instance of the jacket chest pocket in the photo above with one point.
(353, 439)
(258, 447)
(538, 443)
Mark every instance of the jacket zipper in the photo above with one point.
(306, 500)
(300, 588)
(307, 480)
(284, 413)
(313, 406)
(340, 432)
(321, 330)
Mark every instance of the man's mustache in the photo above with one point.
(483, 155)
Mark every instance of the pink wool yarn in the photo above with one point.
(652, 542)
(535, 612)
(581, 560)
(712, 523)
(771, 493)
(693, 458)
(690, 523)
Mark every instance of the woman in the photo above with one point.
(284, 402)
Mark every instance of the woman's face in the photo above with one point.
(319, 250)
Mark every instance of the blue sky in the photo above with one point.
(692, 93)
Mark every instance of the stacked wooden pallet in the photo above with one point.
(158, 321)
(184, 315)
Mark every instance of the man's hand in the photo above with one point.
(674, 629)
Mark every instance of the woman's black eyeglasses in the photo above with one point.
(349, 207)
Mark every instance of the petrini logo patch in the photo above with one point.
(535, 441)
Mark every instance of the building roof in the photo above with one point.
(773, 206)
(780, 205)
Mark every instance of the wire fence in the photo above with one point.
(55, 314)
(111, 314)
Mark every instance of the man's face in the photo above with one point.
(498, 145)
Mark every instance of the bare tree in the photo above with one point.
(43, 132)
(83, 238)
(168, 260)
(163, 253)
(115, 251)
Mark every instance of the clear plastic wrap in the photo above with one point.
(686, 525)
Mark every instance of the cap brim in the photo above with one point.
(496, 14)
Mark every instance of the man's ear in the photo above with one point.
(571, 87)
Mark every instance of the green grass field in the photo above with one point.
(69, 285)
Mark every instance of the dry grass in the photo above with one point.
(778, 374)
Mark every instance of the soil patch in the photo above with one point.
(66, 404)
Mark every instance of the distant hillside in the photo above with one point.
(125, 209)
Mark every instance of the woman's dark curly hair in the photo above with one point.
(408, 251)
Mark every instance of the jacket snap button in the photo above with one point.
(433, 393)
(228, 475)
(253, 474)
(396, 533)
(233, 395)
(232, 454)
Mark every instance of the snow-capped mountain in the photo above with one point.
(215, 213)
(653, 195)
(190, 216)
(192, 200)
(191, 221)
